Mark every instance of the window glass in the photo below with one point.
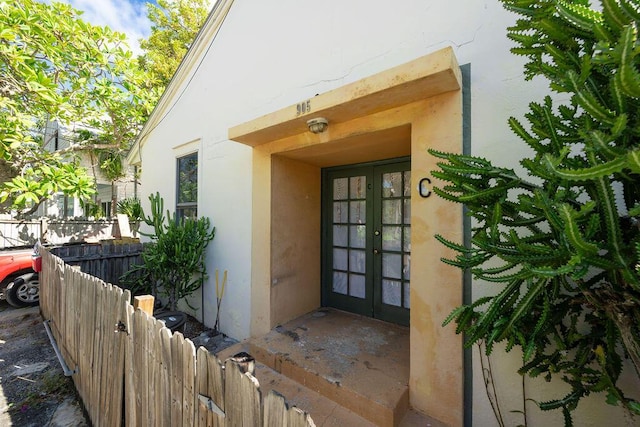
(187, 197)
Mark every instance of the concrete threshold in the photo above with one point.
(361, 364)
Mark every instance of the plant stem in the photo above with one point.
(524, 401)
(487, 374)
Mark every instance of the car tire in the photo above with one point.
(24, 291)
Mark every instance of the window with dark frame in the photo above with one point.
(187, 187)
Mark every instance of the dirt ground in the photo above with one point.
(33, 389)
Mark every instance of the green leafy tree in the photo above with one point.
(175, 25)
(110, 164)
(55, 67)
(561, 244)
(112, 167)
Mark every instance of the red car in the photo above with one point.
(19, 283)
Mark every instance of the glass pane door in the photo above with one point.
(367, 240)
(392, 242)
(349, 231)
(348, 275)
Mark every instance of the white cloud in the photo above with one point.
(125, 16)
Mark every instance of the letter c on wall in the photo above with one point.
(424, 187)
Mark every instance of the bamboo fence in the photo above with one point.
(131, 370)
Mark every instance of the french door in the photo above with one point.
(367, 239)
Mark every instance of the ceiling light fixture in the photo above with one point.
(318, 125)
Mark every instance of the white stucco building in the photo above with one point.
(391, 79)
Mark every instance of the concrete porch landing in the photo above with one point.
(361, 364)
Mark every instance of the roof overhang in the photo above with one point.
(422, 78)
(180, 80)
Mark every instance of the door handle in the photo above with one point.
(376, 252)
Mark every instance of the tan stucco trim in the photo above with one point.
(422, 78)
(287, 162)
(261, 245)
(436, 356)
(187, 147)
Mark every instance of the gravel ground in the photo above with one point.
(33, 389)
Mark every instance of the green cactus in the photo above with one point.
(562, 240)
(174, 260)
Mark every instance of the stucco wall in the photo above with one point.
(269, 55)
(295, 228)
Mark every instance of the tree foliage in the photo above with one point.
(175, 24)
(561, 244)
(55, 67)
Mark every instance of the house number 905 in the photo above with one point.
(303, 107)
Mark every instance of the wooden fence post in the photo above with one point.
(144, 303)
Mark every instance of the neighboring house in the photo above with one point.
(295, 210)
(122, 188)
(62, 206)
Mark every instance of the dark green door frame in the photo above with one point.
(363, 251)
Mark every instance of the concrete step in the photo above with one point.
(358, 363)
(324, 411)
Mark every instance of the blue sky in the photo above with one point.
(125, 16)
